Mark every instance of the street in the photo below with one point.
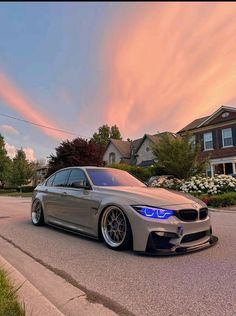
(201, 283)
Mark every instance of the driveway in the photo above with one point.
(201, 283)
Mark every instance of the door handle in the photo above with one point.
(64, 193)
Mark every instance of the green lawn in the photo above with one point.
(9, 305)
(23, 194)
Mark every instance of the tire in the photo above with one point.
(115, 229)
(37, 216)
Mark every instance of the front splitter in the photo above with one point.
(182, 250)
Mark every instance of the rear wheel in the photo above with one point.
(115, 228)
(37, 217)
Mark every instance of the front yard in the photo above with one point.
(218, 191)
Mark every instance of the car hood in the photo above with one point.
(153, 197)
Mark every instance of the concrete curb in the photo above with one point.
(219, 210)
(44, 293)
(30, 297)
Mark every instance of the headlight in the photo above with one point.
(153, 212)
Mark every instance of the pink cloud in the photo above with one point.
(19, 102)
(169, 64)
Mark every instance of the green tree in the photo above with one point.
(5, 163)
(22, 169)
(105, 132)
(178, 156)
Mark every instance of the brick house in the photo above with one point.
(217, 135)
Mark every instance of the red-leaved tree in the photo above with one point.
(78, 152)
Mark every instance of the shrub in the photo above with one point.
(27, 189)
(202, 185)
(7, 190)
(214, 185)
(221, 200)
(174, 184)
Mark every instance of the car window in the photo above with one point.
(113, 177)
(77, 175)
(50, 181)
(60, 178)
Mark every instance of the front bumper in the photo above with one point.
(161, 245)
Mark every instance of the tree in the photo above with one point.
(78, 152)
(105, 133)
(178, 156)
(22, 169)
(5, 163)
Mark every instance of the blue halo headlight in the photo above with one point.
(153, 212)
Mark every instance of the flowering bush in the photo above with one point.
(174, 184)
(214, 185)
(200, 185)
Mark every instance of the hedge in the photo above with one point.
(221, 200)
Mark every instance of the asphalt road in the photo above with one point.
(201, 283)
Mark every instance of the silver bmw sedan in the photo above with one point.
(112, 205)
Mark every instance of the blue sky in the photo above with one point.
(146, 67)
(51, 53)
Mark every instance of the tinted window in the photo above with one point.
(50, 181)
(113, 177)
(60, 178)
(77, 175)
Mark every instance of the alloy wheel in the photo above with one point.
(114, 226)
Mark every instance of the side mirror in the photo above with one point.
(82, 184)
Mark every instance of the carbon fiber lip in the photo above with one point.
(183, 250)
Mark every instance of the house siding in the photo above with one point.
(111, 148)
(142, 154)
(220, 119)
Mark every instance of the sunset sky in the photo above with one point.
(146, 67)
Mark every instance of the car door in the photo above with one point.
(55, 197)
(81, 204)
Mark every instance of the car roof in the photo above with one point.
(85, 167)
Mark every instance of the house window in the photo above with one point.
(227, 138)
(208, 141)
(112, 158)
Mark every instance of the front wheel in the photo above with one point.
(115, 228)
(37, 217)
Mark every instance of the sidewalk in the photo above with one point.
(32, 300)
(43, 292)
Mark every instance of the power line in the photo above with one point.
(48, 127)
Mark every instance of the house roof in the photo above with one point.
(216, 113)
(206, 119)
(136, 143)
(155, 138)
(194, 124)
(123, 146)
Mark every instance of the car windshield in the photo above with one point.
(113, 177)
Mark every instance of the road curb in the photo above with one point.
(221, 210)
(45, 293)
(31, 298)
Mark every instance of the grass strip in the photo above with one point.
(9, 306)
